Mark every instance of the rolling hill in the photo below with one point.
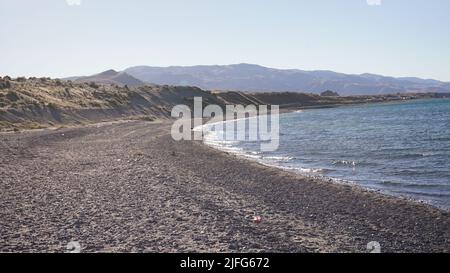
(110, 77)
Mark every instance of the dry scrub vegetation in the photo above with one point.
(42, 102)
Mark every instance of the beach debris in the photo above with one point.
(257, 219)
(374, 247)
(73, 247)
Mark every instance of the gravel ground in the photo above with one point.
(128, 187)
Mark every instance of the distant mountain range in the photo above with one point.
(249, 77)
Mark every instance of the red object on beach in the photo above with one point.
(257, 219)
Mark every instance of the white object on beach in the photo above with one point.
(257, 219)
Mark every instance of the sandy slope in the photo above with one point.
(129, 187)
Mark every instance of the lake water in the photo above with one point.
(397, 148)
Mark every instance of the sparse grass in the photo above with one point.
(52, 105)
(94, 85)
(23, 125)
(12, 96)
(4, 84)
(144, 118)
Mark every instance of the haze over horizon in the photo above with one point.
(393, 38)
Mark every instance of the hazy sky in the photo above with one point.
(390, 37)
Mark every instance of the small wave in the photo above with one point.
(414, 155)
(409, 185)
(225, 148)
(430, 154)
(446, 138)
(421, 172)
(306, 170)
(311, 170)
(278, 158)
(345, 162)
(251, 155)
(221, 142)
(295, 168)
(429, 194)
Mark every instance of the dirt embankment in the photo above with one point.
(38, 103)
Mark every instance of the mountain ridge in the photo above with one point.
(256, 78)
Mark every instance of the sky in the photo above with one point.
(60, 38)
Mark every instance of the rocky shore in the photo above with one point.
(128, 187)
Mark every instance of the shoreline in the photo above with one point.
(283, 111)
(327, 178)
(344, 181)
(129, 187)
(338, 181)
